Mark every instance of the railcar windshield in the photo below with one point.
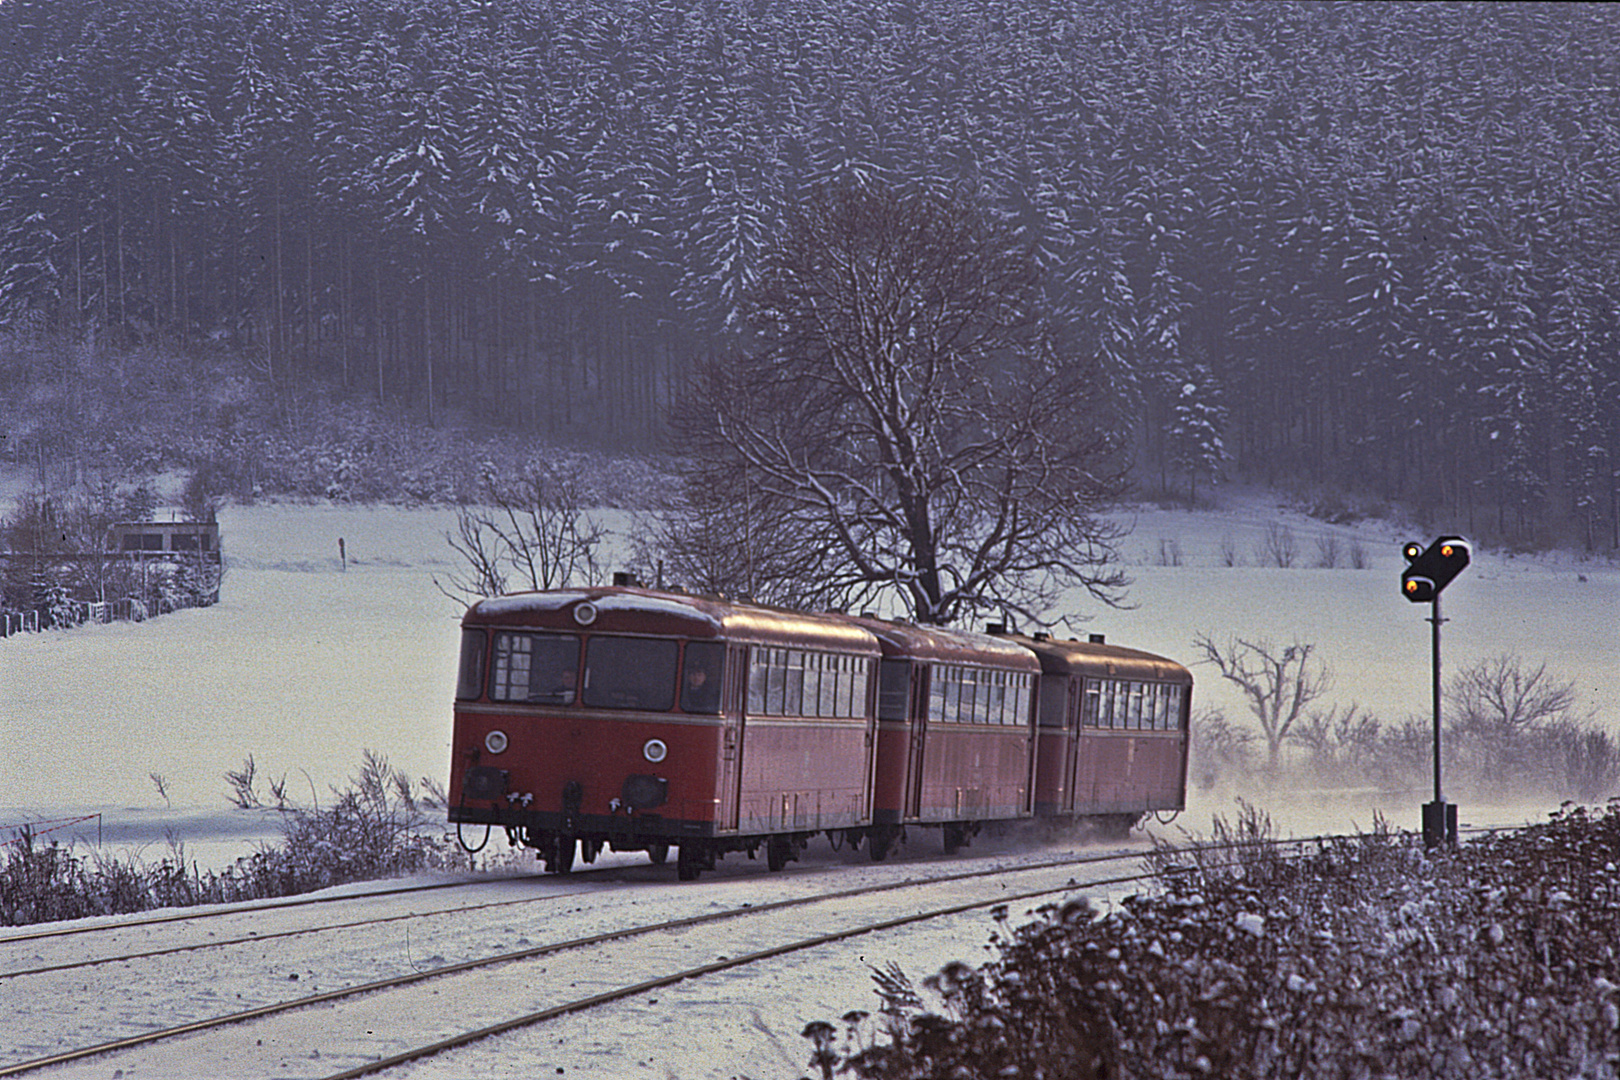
(630, 673)
(538, 668)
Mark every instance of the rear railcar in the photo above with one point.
(1112, 731)
(955, 731)
(641, 720)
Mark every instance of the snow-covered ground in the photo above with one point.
(305, 664)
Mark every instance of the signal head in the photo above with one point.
(1418, 589)
(1431, 569)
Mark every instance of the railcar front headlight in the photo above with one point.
(496, 742)
(655, 751)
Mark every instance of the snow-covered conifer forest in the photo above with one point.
(1375, 242)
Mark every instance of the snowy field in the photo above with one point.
(305, 664)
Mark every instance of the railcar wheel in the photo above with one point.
(689, 862)
(560, 855)
(879, 841)
(658, 852)
(956, 838)
(1116, 826)
(778, 852)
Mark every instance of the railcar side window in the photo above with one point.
(828, 705)
(539, 668)
(1131, 706)
(894, 687)
(758, 673)
(470, 681)
(795, 682)
(702, 679)
(1054, 699)
(630, 673)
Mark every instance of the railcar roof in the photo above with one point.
(902, 639)
(621, 609)
(1102, 661)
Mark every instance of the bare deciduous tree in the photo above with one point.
(531, 528)
(1278, 682)
(901, 426)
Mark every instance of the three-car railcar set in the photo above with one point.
(641, 720)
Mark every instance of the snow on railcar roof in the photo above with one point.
(517, 603)
(719, 614)
(946, 643)
(1096, 655)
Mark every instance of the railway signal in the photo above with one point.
(1428, 571)
(1431, 569)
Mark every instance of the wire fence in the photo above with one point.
(73, 613)
(33, 830)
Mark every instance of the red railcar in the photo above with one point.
(955, 723)
(641, 720)
(1112, 731)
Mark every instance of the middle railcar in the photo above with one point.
(955, 731)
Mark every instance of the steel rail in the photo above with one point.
(728, 963)
(252, 939)
(609, 996)
(249, 907)
(274, 1008)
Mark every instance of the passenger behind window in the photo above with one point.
(700, 690)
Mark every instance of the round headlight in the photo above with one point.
(585, 613)
(495, 742)
(655, 751)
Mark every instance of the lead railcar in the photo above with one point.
(641, 720)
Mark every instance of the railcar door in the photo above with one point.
(870, 711)
(1074, 723)
(733, 704)
(917, 710)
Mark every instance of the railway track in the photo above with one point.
(509, 991)
(502, 976)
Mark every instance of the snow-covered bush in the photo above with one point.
(380, 825)
(1365, 958)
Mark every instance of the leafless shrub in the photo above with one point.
(1339, 744)
(1514, 727)
(1229, 551)
(1359, 559)
(1278, 682)
(378, 825)
(1327, 552)
(1169, 552)
(1219, 748)
(1279, 548)
(531, 530)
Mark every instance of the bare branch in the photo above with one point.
(902, 433)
